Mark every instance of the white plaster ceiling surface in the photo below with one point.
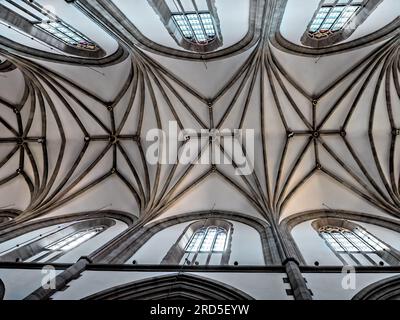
(73, 137)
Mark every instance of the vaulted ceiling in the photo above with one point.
(327, 121)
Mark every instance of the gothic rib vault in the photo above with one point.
(66, 147)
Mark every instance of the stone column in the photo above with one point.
(61, 280)
(296, 280)
(291, 264)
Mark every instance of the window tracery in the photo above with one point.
(336, 20)
(354, 245)
(40, 18)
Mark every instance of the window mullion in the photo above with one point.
(196, 253)
(377, 243)
(344, 248)
(212, 237)
(199, 247)
(189, 249)
(345, 14)
(365, 243)
(66, 35)
(45, 255)
(360, 251)
(332, 234)
(37, 257)
(191, 28)
(339, 16)
(365, 254)
(326, 17)
(200, 20)
(212, 247)
(184, 15)
(337, 253)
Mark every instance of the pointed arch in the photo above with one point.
(177, 286)
(2, 290)
(386, 289)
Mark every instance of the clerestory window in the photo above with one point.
(66, 244)
(353, 245)
(211, 239)
(39, 17)
(333, 16)
(67, 34)
(204, 242)
(56, 241)
(336, 20)
(343, 240)
(195, 27)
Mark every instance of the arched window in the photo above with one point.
(354, 245)
(332, 16)
(65, 33)
(52, 244)
(60, 247)
(202, 243)
(211, 239)
(194, 26)
(37, 21)
(336, 20)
